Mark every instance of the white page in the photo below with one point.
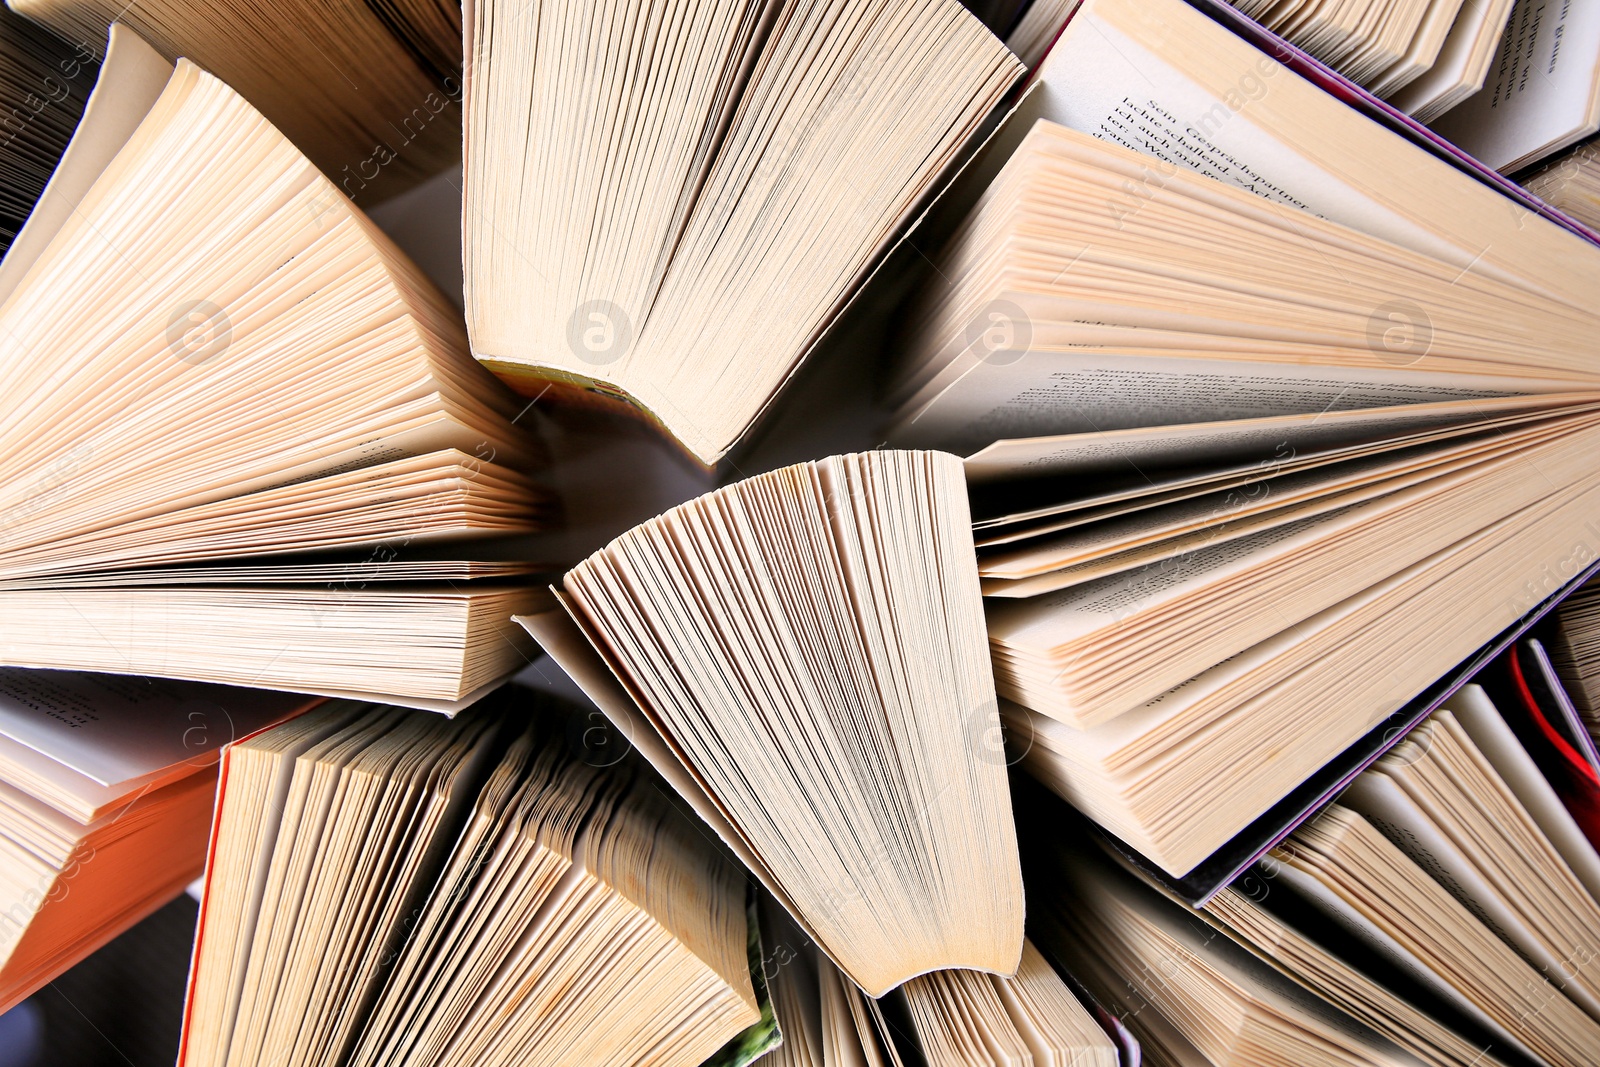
(975, 402)
(1387, 806)
(113, 729)
(1481, 720)
(1272, 440)
(1266, 129)
(1395, 954)
(1540, 93)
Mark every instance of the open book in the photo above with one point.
(943, 1019)
(1235, 434)
(1446, 904)
(1190, 995)
(802, 655)
(1160, 578)
(285, 437)
(1369, 888)
(106, 787)
(391, 887)
(1062, 306)
(1571, 183)
(1185, 91)
(1447, 901)
(1183, 773)
(1423, 56)
(680, 232)
(370, 92)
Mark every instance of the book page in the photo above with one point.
(1009, 510)
(1482, 722)
(1101, 606)
(1271, 440)
(114, 729)
(1396, 815)
(1459, 68)
(1232, 964)
(1540, 94)
(131, 78)
(565, 643)
(1053, 393)
(1357, 925)
(1166, 80)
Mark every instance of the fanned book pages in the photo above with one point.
(1151, 419)
(1542, 94)
(1182, 773)
(1191, 995)
(962, 1018)
(1169, 593)
(1529, 779)
(1575, 652)
(1464, 64)
(285, 427)
(1463, 800)
(1440, 801)
(43, 78)
(1065, 304)
(806, 648)
(370, 91)
(680, 231)
(106, 787)
(1289, 935)
(1571, 183)
(1368, 888)
(1423, 56)
(943, 1019)
(390, 887)
(1160, 77)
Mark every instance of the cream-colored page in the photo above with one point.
(131, 79)
(1540, 95)
(1160, 76)
(1462, 63)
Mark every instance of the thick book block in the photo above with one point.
(807, 648)
(667, 204)
(370, 92)
(1257, 394)
(106, 787)
(395, 888)
(242, 438)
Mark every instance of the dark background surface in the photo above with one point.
(121, 1007)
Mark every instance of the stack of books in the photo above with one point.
(1014, 533)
